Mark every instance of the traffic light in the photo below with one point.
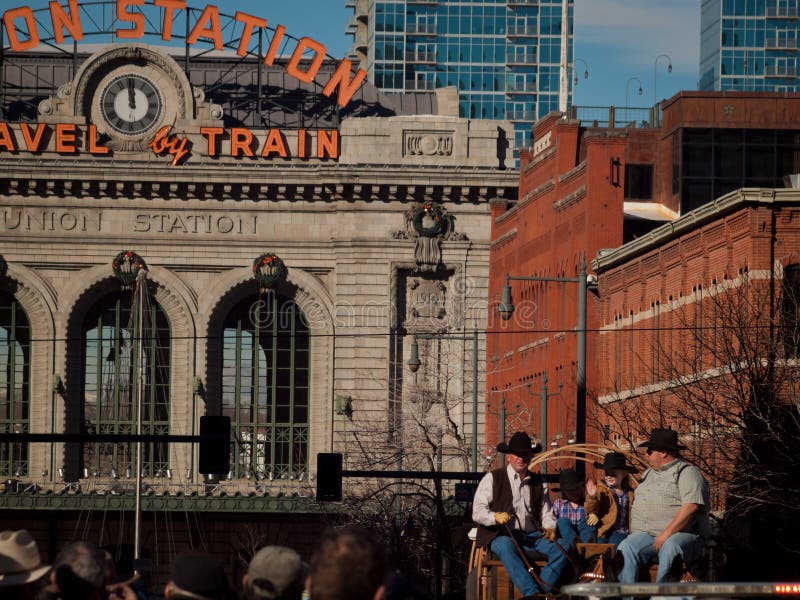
(215, 451)
(329, 477)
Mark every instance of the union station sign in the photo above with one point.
(136, 100)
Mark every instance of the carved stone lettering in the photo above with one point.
(48, 220)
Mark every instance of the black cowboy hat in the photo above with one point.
(662, 439)
(568, 479)
(614, 460)
(519, 445)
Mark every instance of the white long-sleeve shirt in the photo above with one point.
(521, 493)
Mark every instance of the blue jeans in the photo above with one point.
(615, 537)
(638, 551)
(504, 548)
(567, 529)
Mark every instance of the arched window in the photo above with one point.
(15, 361)
(265, 376)
(112, 380)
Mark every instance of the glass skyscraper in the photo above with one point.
(503, 55)
(749, 45)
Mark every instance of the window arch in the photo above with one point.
(265, 386)
(15, 362)
(110, 374)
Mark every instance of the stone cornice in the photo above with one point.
(279, 182)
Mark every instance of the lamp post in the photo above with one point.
(655, 74)
(585, 70)
(414, 364)
(506, 309)
(627, 104)
(627, 87)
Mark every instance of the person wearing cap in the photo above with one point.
(608, 503)
(569, 508)
(670, 497)
(513, 500)
(275, 573)
(197, 576)
(21, 568)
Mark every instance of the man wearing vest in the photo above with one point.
(671, 496)
(512, 498)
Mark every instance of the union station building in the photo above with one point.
(219, 236)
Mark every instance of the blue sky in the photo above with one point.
(618, 39)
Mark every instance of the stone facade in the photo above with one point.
(341, 225)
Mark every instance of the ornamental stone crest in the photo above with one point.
(429, 224)
(269, 270)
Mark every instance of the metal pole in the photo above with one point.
(580, 399)
(544, 418)
(502, 426)
(475, 398)
(563, 78)
(137, 533)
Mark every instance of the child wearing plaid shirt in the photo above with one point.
(570, 506)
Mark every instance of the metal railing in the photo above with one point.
(421, 57)
(697, 589)
(789, 71)
(516, 87)
(781, 12)
(513, 3)
(616, 117)
(776, 43)
(521, 31)
(520, 58)
(421, 28)
(419, 85)
(520, 115)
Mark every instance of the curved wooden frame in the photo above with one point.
(587, 453)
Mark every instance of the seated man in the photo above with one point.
(671, 496)
(512, 499)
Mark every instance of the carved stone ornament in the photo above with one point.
(126, 266)
(428, 224)
(269, 270)
(429, 144)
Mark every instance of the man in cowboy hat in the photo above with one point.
(513, 500)
(670, 497)
(21, 568)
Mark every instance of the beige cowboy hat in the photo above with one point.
(19, 559)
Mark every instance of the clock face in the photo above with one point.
(131, 104)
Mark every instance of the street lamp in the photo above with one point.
(414, 363)
(506, 309)
(585, 70)
(655, 73)
(627, 86)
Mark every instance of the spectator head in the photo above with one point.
(347, 565)
(275, 573)
(79, 571)
(21, 567)
(197, 576)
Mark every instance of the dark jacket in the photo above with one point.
(503, 501)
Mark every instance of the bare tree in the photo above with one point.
(416, 518)
(721, 367)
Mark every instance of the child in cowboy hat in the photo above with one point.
(569, 508)
(608, 504)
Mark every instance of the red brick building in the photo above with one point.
(586, 190)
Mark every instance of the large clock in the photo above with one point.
(131, 104)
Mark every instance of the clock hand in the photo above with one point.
(131, 94)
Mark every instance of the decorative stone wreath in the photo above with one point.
(432, 211)
(269, 270)
(126, 266)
